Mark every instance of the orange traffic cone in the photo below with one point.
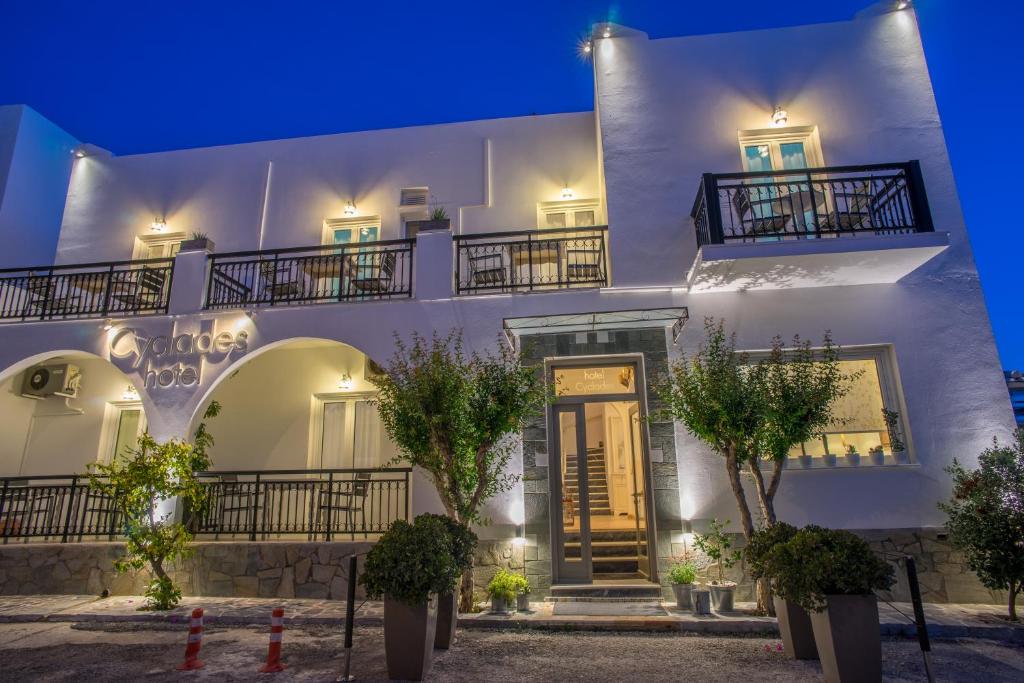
(274, 664)
(195, 638)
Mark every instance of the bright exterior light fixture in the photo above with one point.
(345, 383)
(158, 225)
(587, 47)
(607, 31)
(130, 393)
(902, 4)
(779, 117)
(350, 209)
(567, 193)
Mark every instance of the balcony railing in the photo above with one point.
(531, 260)
(57, 508)
(319, 504)
(91, 290)
(282, 277)
(840, 201)
(246, 505)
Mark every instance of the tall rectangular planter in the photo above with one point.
(797, 632)
(447, 618)
(409, 638)
(848, 639)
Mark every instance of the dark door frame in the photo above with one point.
(554, 458)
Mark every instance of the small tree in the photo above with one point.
(455, 415)
(138, 483)
(717, 545)
(986, 517)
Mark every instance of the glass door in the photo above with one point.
(574, 555)
(639, 494)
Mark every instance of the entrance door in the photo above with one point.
(573, 502)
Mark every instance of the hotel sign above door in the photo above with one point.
(174, 360)
(592, 381)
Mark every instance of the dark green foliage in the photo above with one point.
(986, 517)
(717, 545)
(762, 543)
(462, 538)
(411, 561)
(817, 562)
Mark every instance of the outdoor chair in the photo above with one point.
(487, 270)
(583, 265)
(139, 289)
(343, 501)
(762, 213)
(373, 272)
(278, 281)
(851, 209)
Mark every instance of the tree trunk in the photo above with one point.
(1012, 601)
(466, 591)
(732, 468)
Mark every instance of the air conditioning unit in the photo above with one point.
(51, 380)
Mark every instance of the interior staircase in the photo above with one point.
(597, 477)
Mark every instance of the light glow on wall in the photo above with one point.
(567, 193)
(350, 209)
(345, 383)
(130, 393)
(158, 225)
(780, 117)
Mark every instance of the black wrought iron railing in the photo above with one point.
(300, 275)
(331, 504)
(531, 260)
(838, 201)
(89, 290)
(56, 508)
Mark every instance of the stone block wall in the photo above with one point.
(492, 556)
(222, 569)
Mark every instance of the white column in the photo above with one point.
(434, 265)
(188, 285)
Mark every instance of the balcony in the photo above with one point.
(531, 260)
(303, 275)
(91, 290)
(842, 225)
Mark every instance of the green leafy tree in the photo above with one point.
(717, 545)
(986, 517)
(455, 414)
(138, 483)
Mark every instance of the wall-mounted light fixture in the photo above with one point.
(587, 47)
(902, 4)
(158, 225)
(567, 193)
(607, 31)
(130, 393)
(350, 208)
(520, 537)
(108, 325)
(345, 383)
(78, 152)
(780, 117)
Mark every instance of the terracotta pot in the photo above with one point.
(447, 618)
(409, 638)
(848, 638)
(722, 596)
(523, 602)
(682, 592)
(796, 630)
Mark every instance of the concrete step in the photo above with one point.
(623, 591)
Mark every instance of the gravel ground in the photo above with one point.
(113, 652)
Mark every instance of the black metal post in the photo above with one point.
(919, 198)
(71, 507)
(713, 208)
(255, 508)
(3, 501)
(330, 505)
(350, 617)
(922, 627)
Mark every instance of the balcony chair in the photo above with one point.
(235, 509)
(583, 265)
(144, 290)
(334, 505)
(46, 296)
(763, 215)
(101, 511)
(851, 209)
(487, 270)
(278, 281)
(373, 272)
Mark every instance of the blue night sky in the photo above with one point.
(141, 77)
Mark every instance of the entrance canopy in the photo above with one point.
(593, 322)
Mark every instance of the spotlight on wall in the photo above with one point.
(350, 209)
(158, 225)
(345, 383)
(567, 193)
(520, 537)
(78, 152)
(607, 31)
(779, 117)
(902, 4)
(587, 47)
(250, 314)
(108, 325)
(130, 393)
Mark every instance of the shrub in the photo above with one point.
(717, 545)
(818, 562)
(463, 540)
(411, 561)
(761, 544)
(506, 585)
(682, 573)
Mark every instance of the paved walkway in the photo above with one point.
(944, 621)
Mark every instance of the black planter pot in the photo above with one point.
(409, 638)
(848, 638)
(796, 630)
(197, 244)
(447, 618)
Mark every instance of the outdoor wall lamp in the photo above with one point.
(130, 393)
(345, 383)
(567, 193)
(520, 537)
(607, 31)
(350, 208)
(587, 47)
(158, 225)
(779, 117)
(108, 325)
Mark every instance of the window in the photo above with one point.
(780, 149)
(573, 213)
(125, 423)
(352, 230)
(157, 246)
(349, 434)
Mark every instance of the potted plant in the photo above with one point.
(829, 459)
(197, 241)
(892, 424)
(522, 593)
(877, 455)
(682, 576)
(852, 456)
(409, 566)
(806, 461)
(717, 545)
(502, 591)
(463, 542)
(832, 574)
(794, 622)
(438, 220)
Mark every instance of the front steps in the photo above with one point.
(606, 591)
(615, 552)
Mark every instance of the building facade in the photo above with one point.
(1015, 384)
(785, 196)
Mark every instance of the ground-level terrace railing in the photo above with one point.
(55, 508)
(333, 504)
(531, 260)
(300, 275)
(88, 290)
(838, 201)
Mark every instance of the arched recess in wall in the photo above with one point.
(62, 410)
(297, 404)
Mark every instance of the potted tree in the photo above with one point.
(502, 591)
(717, 545)
(523, 589)
(794, 622)
(877, 455)
(852, 456)
(682, 575)
(409, 566)
(892, 424)
(463, 542)
(438, 220)
(197, 241)
(832, 575)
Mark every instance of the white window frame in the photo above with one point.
(892, 399)
(353, 223)
(316, 424)
(569, 207)
(774, 137)
(111, 421)
(144, 242)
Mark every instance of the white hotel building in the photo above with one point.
(807, 192)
